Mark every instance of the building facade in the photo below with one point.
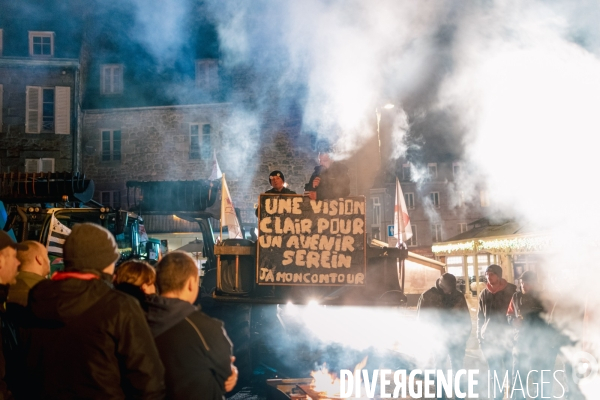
(40, 91)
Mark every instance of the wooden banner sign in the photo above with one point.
(311, 242)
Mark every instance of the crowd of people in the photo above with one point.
(513, 330)
(86, 334)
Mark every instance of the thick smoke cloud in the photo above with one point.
(511, 87)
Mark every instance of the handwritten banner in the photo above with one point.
(311, 242)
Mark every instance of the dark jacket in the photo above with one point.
(193, 347)
(25, 281)
(88, 341)
(4, 393)
(283, 191)
(449, 312)
(335, 182)
(492, 325)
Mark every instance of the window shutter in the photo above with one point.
(62, 104)
(1, 92)
(47, 165)
(32, 165)
(33, 104)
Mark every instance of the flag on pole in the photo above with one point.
(56, 237)
(216, 171)
(402, 229)
(228, 216)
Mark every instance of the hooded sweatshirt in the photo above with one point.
(194, 349)
(87, 340)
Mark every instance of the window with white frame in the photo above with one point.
(48, 109)
(376, 211)
(111, 198)
(200, 141)
(436, 233)
(206, 143)
(409, 200)
(432, 170)
(462, 227)
(111, 145)
(406, 172)
(454, 266)
(460, 198)
(413, 240)
(35, 165)
(434, 197)
(194, 142)
(41, 44)
(112, 78)
(484, 199)
(456, 169)
(207, 74)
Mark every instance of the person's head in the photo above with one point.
(90, 248)
(448, 283)
(177, 276)
(493, 274)
(276, 179)
(9, 263)
(325, 159)
(529, 281)
(137, 273)
(34, 258)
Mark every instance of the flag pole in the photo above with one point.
(222, 207)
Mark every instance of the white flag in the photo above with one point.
(402, 228)
(216, 171)
(56, 237)
(228, 216)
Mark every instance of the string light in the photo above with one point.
(507, 245)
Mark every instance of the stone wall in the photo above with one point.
(15, 144)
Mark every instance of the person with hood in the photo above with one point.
(445, 309)
(330, 180)
(136, 278)
(8, 274)
(194, 348)
(493, 330)
(87, 340)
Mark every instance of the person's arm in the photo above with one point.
(143, 375)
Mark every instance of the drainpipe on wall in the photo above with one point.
(74, 146)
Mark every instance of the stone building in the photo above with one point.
(40, 92)
(441, 204)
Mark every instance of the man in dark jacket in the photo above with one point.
(8, 273)
(330, 179)
(445, 309)
(194, 348)
(277, 181)
(88, 341)
(493, 331)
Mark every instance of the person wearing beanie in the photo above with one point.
(493, 330)
(89, 340)
(277, 182)
(444, 309)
